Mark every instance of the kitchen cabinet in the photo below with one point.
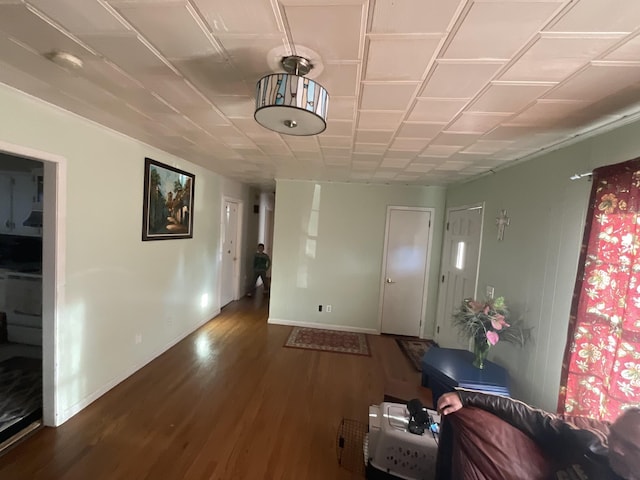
(19, 193)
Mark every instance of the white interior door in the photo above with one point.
(405, 267)
(459, 271)
(230, 259)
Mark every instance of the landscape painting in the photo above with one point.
(168, 202)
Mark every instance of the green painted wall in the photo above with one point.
(328, 249)
(534, 267)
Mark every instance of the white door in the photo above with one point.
(459, 271)
(404, 270)
(230, 260)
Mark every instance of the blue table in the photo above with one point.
(443, 369)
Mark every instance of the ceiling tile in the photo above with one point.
(374, 136)
(127, 52)
(251, 54)
(409, 144)
(511, 132)
(455, 139)
(301, 144)
(207, 118)
(339, 79)
(153, 21)
(236, 106)
(459, 80)
(175, 91)
(413, 16)
(341, 108)
(419, 167)
(339, 128)
(331, 141)
(20, 23)
(387, 96)
(215, 79)
(81, 16)
(379, 120)
(470, 122)
(370, 148)
(440, 150)
(507, 98)
(599, 16)
(516, 22)
(334, 31)
(488, 146)
(336, 152)
(546, 113)
(386, 53)
(247, 16)
(553, 59)
(628, 51)
(435, 110)
(395, 163)
(596, 81)
(420, 130)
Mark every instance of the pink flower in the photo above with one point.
(498, 322)
(492, 338)
(486, 310)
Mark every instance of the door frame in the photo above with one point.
(53, 267)
(427, 266)
(440, 307)
(238, 253)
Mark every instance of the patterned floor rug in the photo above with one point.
(328, 341)
(414, 349)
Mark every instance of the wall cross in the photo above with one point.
(502, 221)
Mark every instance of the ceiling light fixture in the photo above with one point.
(290, 103)
(65, 59)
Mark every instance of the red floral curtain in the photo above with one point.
(601, 368)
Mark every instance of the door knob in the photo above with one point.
(390, 281)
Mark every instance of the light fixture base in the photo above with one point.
(296, 65)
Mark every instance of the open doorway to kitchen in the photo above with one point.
(21, 261)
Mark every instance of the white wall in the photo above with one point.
(114, 285)
(535, 266)
(328, 247)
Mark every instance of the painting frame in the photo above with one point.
(167, 208)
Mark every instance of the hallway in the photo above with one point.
(228, 402)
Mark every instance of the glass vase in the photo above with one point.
(480, 351)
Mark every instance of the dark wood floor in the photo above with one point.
(228, 402)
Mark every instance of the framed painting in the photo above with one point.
(167, 211)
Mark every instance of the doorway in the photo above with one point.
(230, 271)
(459, 269)
(21, 325)
(404, 273)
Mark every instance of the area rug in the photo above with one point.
(414, 349)
(328, 341)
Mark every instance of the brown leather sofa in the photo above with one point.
(477, 445)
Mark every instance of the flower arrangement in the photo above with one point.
(487, 323)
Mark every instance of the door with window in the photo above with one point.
(407, 246)
(459, 270)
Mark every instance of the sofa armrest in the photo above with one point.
(475, 444)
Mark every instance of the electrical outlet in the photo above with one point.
(489, 291)
(328, 308)
(138, 338)
(319, 308)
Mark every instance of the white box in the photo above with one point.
(392, 449)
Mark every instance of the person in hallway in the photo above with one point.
(580, 453)
(261, 263)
